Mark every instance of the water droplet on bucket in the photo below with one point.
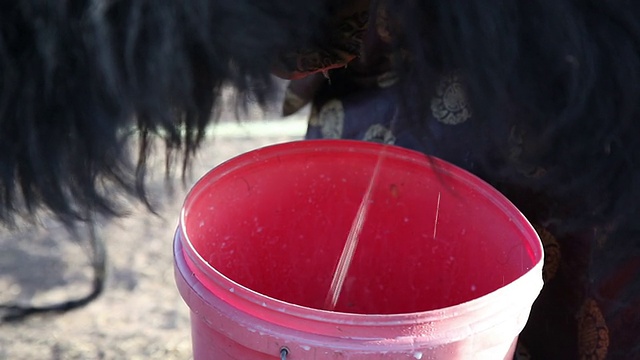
(232, 290)
(418, 355)
(305, 347)
(473, 288)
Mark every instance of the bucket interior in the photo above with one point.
(276, 221)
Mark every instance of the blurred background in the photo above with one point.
(140, 314)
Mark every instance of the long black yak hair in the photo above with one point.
(88, 86)
(79, 79)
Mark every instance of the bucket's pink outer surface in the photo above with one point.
(259, 238)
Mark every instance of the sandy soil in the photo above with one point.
(140, 314)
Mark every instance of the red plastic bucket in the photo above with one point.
(444, 267)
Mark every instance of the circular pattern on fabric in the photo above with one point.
(331, 119)
(593, 334)
(449, 105)
(552, 254)
(380, 134)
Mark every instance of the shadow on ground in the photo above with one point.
(140, 314)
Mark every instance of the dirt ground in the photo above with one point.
(140, 315)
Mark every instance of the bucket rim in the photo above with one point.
(496, 298)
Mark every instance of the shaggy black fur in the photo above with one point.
(80, 78)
